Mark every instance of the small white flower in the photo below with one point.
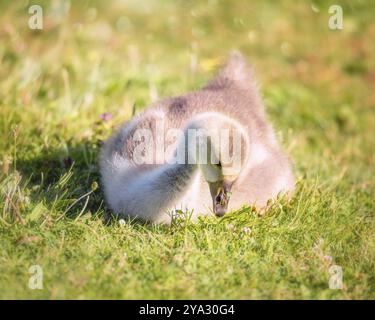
(246, 230)
(121, 222)
(178, 259)
(328, 258)
(230, 226)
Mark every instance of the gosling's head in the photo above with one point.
(222, 151)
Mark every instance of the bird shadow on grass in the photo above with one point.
(65, 180)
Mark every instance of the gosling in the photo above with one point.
(206, 152)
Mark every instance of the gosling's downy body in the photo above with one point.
(159, 188)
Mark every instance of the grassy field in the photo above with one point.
(94, 58)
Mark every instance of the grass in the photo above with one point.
(93, 58)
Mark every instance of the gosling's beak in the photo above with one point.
(220, 192)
